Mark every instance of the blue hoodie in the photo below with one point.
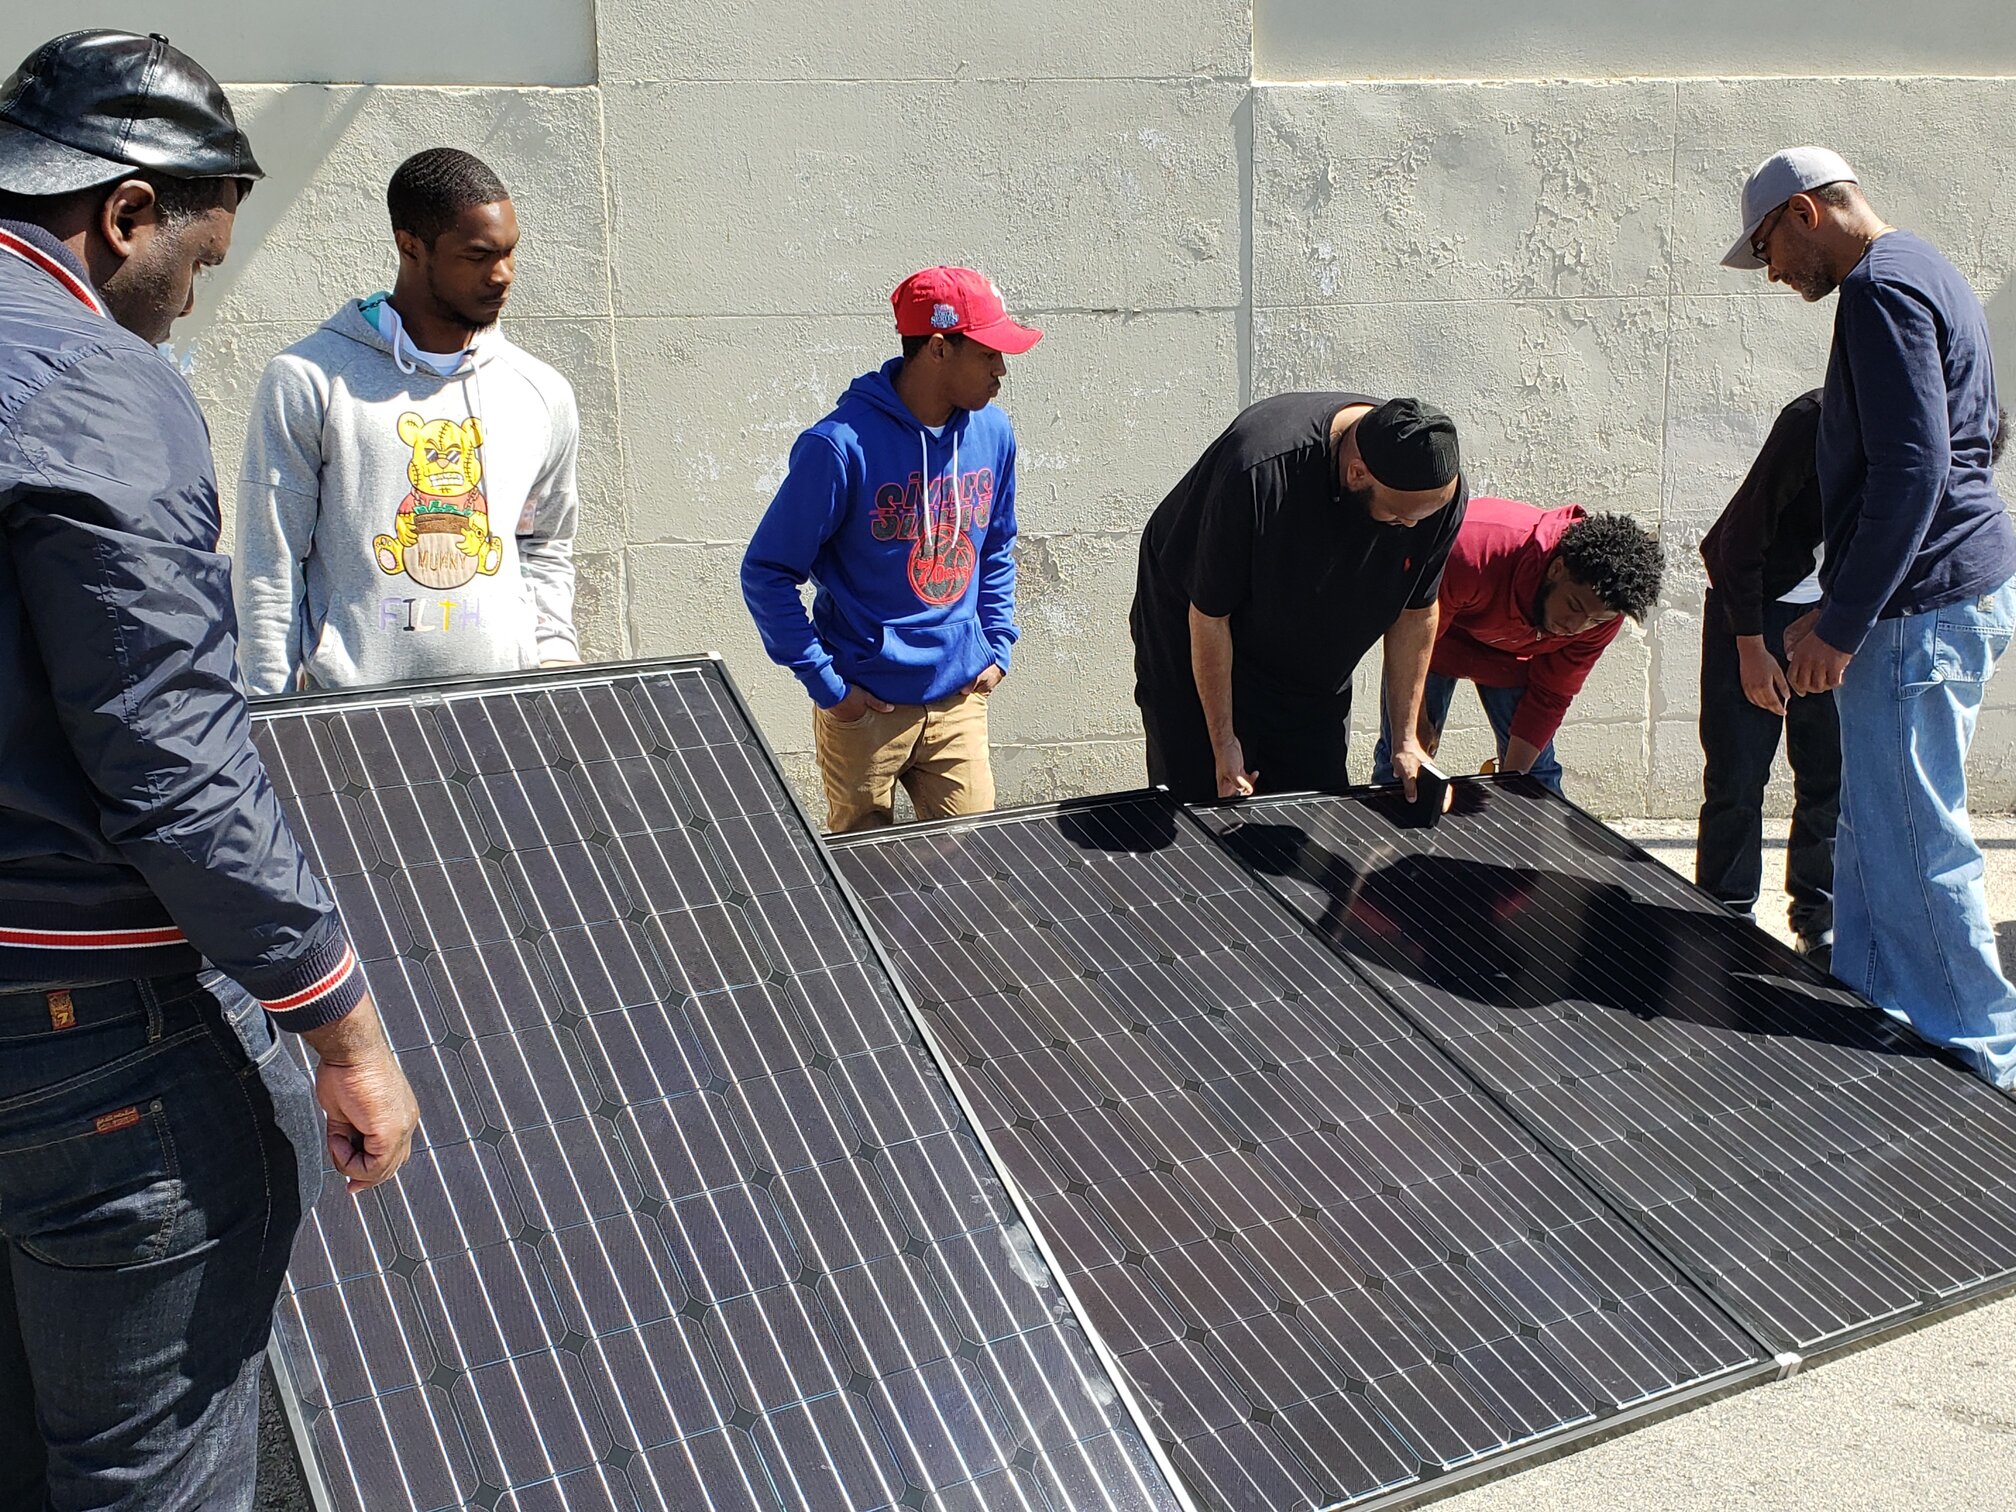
(914, 580)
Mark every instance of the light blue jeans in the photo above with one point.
(1501, 706)
(1911, 925)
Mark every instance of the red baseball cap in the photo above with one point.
(945, 301)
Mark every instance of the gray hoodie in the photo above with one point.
(395, 524)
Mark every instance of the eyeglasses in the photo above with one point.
(1760, 244)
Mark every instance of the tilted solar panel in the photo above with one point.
(1808, 1161)
(1330, 1267)
(694, 1221)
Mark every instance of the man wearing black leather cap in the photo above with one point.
(1314, 526)
(157, 918)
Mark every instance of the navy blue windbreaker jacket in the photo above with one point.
(139, 835)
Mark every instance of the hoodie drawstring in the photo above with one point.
(930, 517)
(407, 365)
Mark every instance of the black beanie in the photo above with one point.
(1408, 446)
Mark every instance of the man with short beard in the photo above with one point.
(157, 917)
(406, 508)
(1530, 601)
(1917, 603)
(1315, 526)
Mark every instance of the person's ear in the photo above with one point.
(126, 214)
(1556, 569)
(410, 247)
(1807, 209)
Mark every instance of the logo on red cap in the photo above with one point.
(945, 301)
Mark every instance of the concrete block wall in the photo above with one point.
(1542, 259)
(769, 193)
(714, 219)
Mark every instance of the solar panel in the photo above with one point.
(1330, 1267)
(1808, 1161)
(693, 1220)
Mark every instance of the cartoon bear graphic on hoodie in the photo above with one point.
(443, 530)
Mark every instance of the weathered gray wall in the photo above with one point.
(1542, 258)
(384, 41)
(1306, 40)
(713, 225)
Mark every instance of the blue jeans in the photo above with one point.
(157, 1151)
(1911, 926)
(1501, 705)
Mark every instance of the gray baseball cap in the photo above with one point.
(1777, 179)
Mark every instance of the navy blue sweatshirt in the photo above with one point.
(138, 833)
(909, 541)
(1907, 424)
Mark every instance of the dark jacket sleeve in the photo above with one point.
(1892, 345)
(129, 601)
(1736, 548)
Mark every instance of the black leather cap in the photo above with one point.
(91, 107)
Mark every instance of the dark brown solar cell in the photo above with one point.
(1329, 1266)
(1802, 1157)
(694, 1221)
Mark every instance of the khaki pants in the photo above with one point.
(938, 752)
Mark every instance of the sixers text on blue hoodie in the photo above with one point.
(914, 574)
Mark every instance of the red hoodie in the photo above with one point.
(1487, 633)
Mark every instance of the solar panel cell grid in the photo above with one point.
(1803, 1157)
(694, 1221)
(1327, 1265)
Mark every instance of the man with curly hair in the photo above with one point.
(1530, 599)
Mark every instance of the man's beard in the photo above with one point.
(142, 298)
(1809, 278)
(468, 320)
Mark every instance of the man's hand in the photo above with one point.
(1763, 679)
(857, 706)
(1425, 733)
(986, 682)
(1817, 667)
(1799, 629)
(1234, 781)
(1407, 758)
(364, 1096)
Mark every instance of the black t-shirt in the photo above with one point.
(1260, 530)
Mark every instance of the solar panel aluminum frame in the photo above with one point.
(288, 1388)
(1435, 1485)
(1788, 1359)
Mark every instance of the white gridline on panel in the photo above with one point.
(920, 938)
(1334, 822)
(638, 1226)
